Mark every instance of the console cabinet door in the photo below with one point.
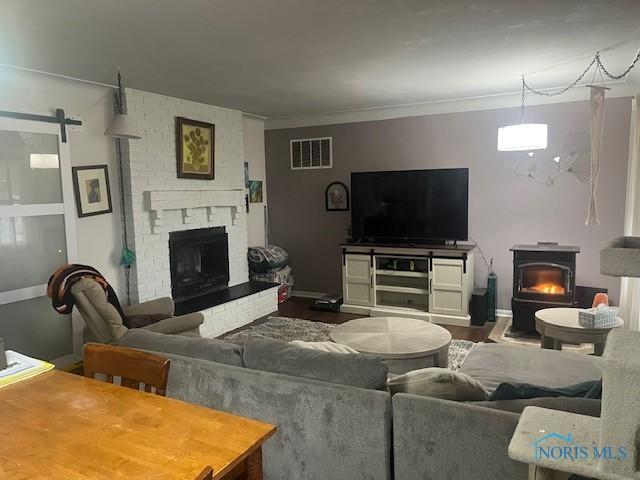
(357, 280)
(448, 287)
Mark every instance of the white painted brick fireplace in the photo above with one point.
(157, 202)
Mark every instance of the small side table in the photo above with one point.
(557, 325)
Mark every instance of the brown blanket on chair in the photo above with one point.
(60, 283)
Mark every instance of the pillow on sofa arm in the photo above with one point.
(357, 370)
(438, 383)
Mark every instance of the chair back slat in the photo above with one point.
(132, 366)
(130, 383)
(206, 474)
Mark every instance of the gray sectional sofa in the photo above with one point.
(443, 440)
(329, 430)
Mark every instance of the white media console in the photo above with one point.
(432, 283)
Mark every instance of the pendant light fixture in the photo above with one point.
(522, 136)
(121, 126)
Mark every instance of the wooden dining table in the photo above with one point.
(63, 426)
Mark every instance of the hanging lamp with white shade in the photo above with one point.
(522, 136)
(122, 128)
(121, 125)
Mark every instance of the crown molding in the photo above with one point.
(628, 88)
(255, 116)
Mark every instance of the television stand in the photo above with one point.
(428, 282)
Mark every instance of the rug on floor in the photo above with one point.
(288, 329)
(498, 335)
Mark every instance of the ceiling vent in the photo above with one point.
(308, 153)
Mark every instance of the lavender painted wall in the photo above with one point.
(504, 208)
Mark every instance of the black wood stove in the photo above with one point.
(544, 276)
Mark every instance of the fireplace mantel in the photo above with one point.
(159, 201)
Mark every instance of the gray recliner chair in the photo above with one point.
(104, 324)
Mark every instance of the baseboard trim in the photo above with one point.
(355, 309)
(504, 313)
(440, 319)
(306, 294)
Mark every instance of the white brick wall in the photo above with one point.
(232, 315)
(150, 166)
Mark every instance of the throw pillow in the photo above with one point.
(210, 349)
(519, 391)
(324, 346)
(438, 383)
(267, 354)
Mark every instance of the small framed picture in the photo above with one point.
(93, 192)
(246, 175)
(337, 197)
(255, 191)
(195, 149)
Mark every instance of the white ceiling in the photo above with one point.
(297, 57)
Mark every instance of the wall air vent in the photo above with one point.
(308, 153)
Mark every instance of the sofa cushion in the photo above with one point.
(494, 363)
(581, 406)
(324, 346)
(438, 383)
(267, 354)
(195, 347)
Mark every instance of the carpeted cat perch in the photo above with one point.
(621, 258)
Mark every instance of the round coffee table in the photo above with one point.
(404, 343)
(557, 325)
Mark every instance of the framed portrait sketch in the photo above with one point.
(92, 189)
(195, 149)
(337, 197)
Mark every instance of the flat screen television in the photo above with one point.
(410, 206)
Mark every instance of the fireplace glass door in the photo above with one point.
(548, 279)
(199, 261)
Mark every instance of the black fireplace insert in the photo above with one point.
(199, 261)
(544, 276)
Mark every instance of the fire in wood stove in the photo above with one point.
(544, 276)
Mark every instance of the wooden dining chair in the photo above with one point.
(206, 474)
(135, 368)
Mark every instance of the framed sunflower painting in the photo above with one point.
(195, 149)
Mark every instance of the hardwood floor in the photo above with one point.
(298, 307)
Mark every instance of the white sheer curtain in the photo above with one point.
(630, 287)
